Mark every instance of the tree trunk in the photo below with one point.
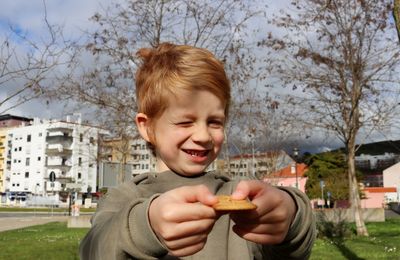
(354, 190)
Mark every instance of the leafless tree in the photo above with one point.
(27, 63)
(341, 60)
(223, 27)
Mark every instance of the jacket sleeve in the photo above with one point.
(301, 235)
(121, 229)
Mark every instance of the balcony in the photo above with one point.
(58, 164)
(60, 129)
(62, 179)
(58, 152)
(59, 139)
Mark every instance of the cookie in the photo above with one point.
(226, 203)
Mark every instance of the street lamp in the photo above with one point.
(294, 168)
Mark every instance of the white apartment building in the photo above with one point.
(26, 159)
(66, 149)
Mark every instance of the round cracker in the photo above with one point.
(226, 203)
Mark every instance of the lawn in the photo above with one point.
(383, 243)
(47, 242)
(56, 241)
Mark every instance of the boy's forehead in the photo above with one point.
(187, 98)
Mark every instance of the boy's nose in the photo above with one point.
(201, 134)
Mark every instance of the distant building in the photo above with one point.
(257, 165)
(391, 178)
(8, 120)
(66, 149)
(3, 155)
(290, 176)
(377, 197)
(122, 159)
(372, 167)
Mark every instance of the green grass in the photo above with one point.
(383, 243)
(47, 242)
(56, 241)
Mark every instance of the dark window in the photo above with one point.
(28, 138)
(26, 174)
(79, 161)
(79, 175)
(80, 137)
(27, 162)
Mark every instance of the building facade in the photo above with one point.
(257, 165)
(391, 178)
(48, 157)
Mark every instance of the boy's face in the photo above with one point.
(190, 132)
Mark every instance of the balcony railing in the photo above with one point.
(57, 139)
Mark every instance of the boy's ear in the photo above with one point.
(142, 123)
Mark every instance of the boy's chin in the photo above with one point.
(191, 173)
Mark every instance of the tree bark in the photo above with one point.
(354, 190)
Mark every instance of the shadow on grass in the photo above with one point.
(344, 250)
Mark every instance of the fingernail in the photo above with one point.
(238, 194)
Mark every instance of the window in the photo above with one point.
(79, 175)
(19, 148)
(28, 138)
(27, 162)
(40, 134)
(26, 174)
(79, 161)
(80, 137)
(39, 158)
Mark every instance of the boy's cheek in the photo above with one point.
(219, 138)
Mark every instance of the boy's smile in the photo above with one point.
(190, 132)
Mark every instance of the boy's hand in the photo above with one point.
(269, 223)
(180, 222)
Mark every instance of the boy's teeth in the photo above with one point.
(197, 153)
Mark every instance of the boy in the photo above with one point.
(183, 99)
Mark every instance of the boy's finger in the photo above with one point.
(246, 189)
(199, 193)
(190, 212)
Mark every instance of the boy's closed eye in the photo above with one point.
(216, 123)
(184, 123)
